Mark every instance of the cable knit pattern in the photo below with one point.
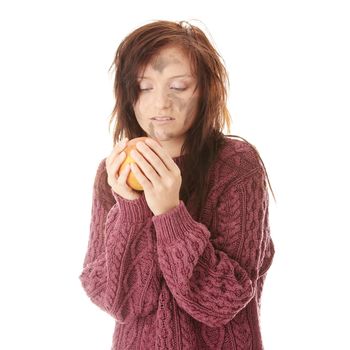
(175, 281)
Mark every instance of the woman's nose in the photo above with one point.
(162, 99)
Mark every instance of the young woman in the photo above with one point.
(181, 264)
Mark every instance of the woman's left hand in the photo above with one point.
(161, 177)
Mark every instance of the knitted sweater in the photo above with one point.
(177, 282)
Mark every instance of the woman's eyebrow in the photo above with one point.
(175, 76)
(181, 76)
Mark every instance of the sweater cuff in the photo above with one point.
(174, 224)
(133, 210)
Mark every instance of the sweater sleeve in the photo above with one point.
(119, 268)
(211, 281)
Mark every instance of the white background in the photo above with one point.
(290, 87)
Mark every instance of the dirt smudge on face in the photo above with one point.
(158, 135)
(192, 110)
(179, 102)
(159, 63)
(186, 106)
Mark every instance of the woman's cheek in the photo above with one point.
(138, 109)
(191, 111)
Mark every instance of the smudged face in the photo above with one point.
(168, 102)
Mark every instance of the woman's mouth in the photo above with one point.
(162, 119)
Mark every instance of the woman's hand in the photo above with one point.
(158, 174)
(118, 183)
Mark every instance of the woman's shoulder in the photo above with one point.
(238, 158)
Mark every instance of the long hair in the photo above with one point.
(205, 137)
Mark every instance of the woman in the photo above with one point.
(180, 265)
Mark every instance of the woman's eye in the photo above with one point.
(142, 88)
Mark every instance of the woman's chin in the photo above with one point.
(159, 136)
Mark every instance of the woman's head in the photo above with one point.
(146, 62)
(168, 99)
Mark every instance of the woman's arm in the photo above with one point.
(119, 268)
(214, 281)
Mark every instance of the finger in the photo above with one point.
(146, 167)
(140, 177)
(152, 158)
(119, 146)
(113, 168)
(124, 175)
(162, 153)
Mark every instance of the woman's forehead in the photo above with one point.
(168, 57)
(168, 61)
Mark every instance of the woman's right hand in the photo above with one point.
(118, 182)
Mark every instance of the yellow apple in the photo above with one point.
(131, 180)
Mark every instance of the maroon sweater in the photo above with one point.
(173, 282)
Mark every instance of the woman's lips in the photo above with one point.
(162, 120)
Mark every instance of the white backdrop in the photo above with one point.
(289, 72)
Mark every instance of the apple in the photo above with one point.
(131, 179)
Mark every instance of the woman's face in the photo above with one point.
(167, 103)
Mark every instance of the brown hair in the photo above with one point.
(205, 137)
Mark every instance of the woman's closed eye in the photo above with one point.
(178, 88)
(171, 88)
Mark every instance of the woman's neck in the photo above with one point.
(172, 146)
